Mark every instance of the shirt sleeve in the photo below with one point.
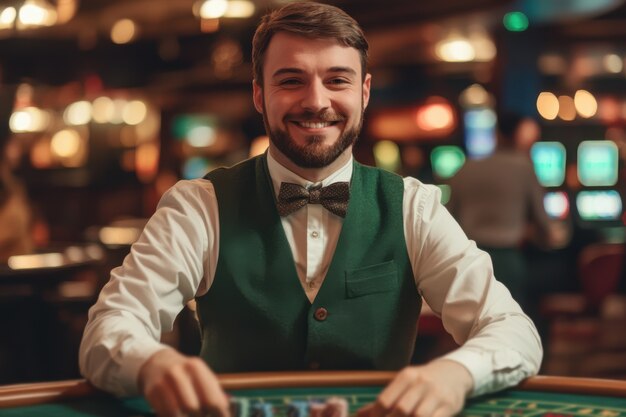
(165, 268)
(499, 344)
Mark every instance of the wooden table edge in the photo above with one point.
(46, 392)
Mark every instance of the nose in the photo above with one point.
(316, 97)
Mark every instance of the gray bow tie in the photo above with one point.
(334, 197)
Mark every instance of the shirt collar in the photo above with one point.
(280, 174)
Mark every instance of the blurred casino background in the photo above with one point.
(104, 104)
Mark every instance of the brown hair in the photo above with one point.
(311, 20)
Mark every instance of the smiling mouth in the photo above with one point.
(315, 125)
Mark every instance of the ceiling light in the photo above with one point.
(455, 49)
(239, 9)
(35, 13)
(7, 17)
(213, 9)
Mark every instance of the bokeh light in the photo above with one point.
(567, 109)
(548, 105)
(435, 116)
(36, 13)
(29, 119)
(201, 136)
(147, 161)
(213, 9)
(41, 154)
(586, 104)
(474, 96)
(455, 50)
(556, 204)
(134, 112)
(78, 113)
(446, 160)
(239, 9)
(123, 31)
(65, 143)
(102, 110)
(515, 21)
(387, 155)
(613, 63)
(7, 17)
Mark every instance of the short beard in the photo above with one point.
(313, 154)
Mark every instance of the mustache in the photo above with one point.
(324, 116)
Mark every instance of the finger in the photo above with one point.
(409, 401)
(336, 407)
(444, 412)
(428, 406)
(210, 394)
(316, 409)
(365, 411)
(164, 402)
(390, 395)
(184, 389)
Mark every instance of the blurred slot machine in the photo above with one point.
(480, 132)
(549, 160)
(599, 203)
(591, 199)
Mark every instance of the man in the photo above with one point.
(497, 199)
(310, 288)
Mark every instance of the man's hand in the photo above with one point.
(176, 385)
(437, 389)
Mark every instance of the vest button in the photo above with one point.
(321, 314)
(314, 365)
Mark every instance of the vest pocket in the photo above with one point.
(371, 279)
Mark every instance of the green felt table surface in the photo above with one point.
(511, 403)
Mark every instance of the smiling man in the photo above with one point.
(303, 258)
(312, 101)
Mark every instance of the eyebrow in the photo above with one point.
(290, 70)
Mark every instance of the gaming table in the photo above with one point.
(541, 396)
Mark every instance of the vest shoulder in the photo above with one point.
(239, 169)
(379, 173)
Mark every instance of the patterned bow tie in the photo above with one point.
(334, 198)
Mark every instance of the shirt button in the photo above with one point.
(321, 314)
(311, 285)
(314, 234)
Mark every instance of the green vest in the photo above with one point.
(256, 316)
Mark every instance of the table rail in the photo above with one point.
(46, 392)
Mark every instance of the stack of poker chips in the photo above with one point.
(331, 407)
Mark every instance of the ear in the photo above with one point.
(366, 90)
(257, 96)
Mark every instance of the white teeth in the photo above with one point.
(314, 125)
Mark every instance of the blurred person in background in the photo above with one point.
(498, 202)
(15, 211)
(15, 216)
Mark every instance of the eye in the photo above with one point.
(289, 82)
(339, 81)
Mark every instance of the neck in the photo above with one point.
(311, 174)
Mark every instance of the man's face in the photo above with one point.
(312, 99)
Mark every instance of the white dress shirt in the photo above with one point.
(175, 258)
